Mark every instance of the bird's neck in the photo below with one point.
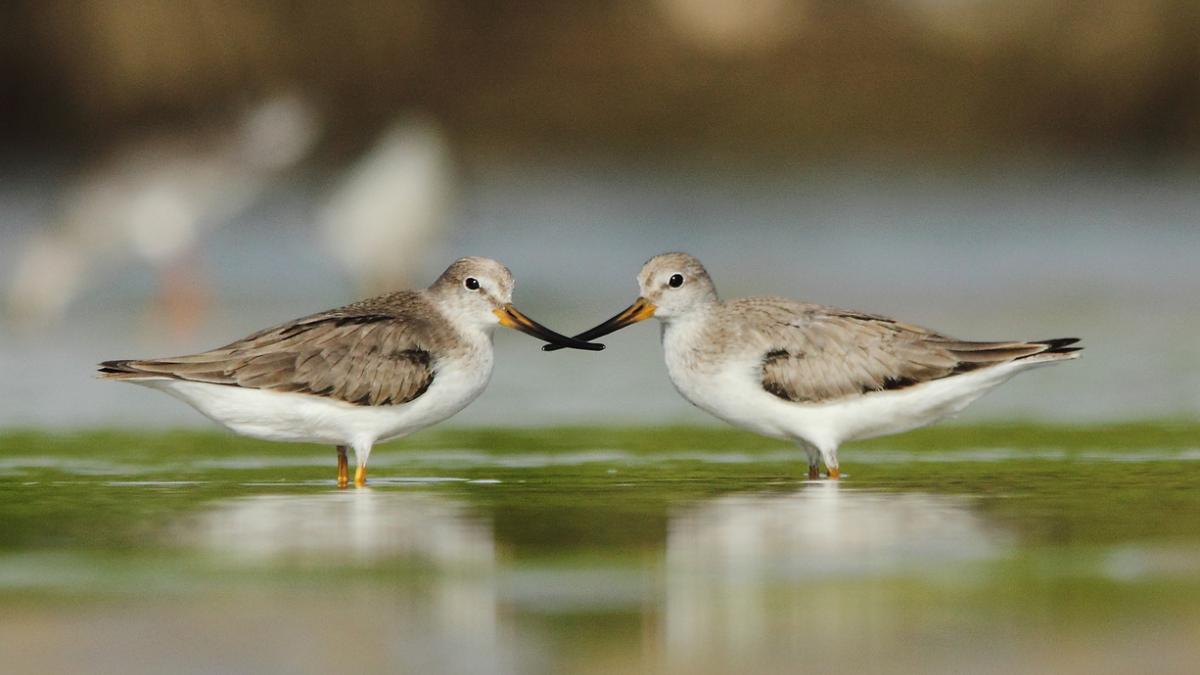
(694, 317)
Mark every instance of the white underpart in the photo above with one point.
(305, 418)
(733, 392)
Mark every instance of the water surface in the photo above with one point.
(957, 549)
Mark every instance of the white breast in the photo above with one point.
(725, 386)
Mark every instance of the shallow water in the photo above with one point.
(1000, 548)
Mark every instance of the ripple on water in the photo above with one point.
(79, 466)
(465, 458)
(153, 483)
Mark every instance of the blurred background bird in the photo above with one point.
(150, 201)
(390, 211)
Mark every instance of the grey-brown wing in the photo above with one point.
(827, 354)
(361, 359)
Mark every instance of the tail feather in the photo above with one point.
(123, 369)
(1056, 347)
(974, 355)
(1000, 354)
(1058, 343)
(119, 366)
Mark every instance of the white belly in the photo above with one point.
(733, 392)
(287, 416)
(890, 412)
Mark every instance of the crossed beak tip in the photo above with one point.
(640, 310)
(510, 317)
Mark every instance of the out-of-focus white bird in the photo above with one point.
(152, 200)
(392, 206)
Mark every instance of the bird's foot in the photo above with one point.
(834, 473)
(360, 476)
(813, 472)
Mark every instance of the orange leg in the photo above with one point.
(360, 476)
(343, 467)
(830, 458)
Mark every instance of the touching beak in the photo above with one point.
(511, 318)
(640, 310)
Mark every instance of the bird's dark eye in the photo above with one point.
(471, 283)
(676, 280)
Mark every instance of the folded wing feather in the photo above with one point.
(820, 354)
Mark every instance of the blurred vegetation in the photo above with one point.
(713, 77)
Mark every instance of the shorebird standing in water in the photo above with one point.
(371, 371)
(816, 375)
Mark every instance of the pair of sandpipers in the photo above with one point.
(388, 366)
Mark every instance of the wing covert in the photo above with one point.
(825, 354)
(364, 360)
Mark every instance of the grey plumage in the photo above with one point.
(381, 351)
(810, 353)
(814, 354)
(292, 382)
(816, 374)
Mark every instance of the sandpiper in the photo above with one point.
(813, 374)
(370, 371)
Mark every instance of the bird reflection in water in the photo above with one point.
(365, 526)
(734, 563)
(750, 582)
(430, 613)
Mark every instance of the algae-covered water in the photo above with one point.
(999, 548)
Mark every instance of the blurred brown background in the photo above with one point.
(950, 78)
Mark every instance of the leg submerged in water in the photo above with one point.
(362, 452)
(343, 474)
(814, 459)
(829, 455)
